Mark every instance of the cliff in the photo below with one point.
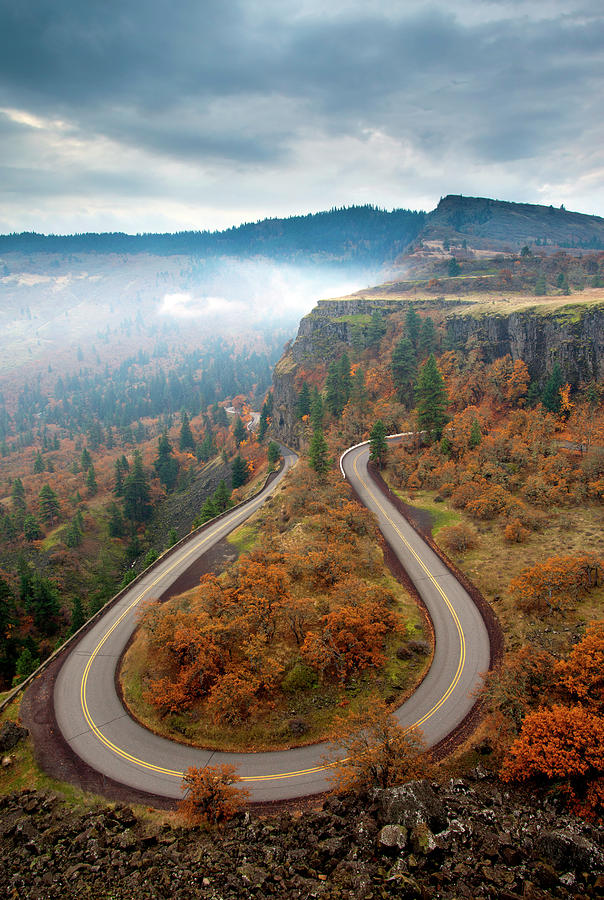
(542, 332)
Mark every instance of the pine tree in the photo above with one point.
(316, 410)
(116, 521)
(49, 504)
(118, 487)
(78, 616)
(26, 664)
(345, 378)
(475, 435)
(412, 326)
(303, 405)
(431, 399)
(404, 371)
(221, 497)
(73, 535)
(551, 398)
(39, 466)
(358, 391)
(31, 528)
(274, 453)
(333, 391)
(239, 432)
(166, 465)
(85, 459)
(17, 494)
(454, 268)
(427, 338)
(318, 456)
(378, 446)
(376, 329)
(186, 441)
(239, 472)
(137, 503)
(91, 484)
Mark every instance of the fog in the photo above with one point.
(262, 291)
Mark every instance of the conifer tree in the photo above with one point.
(316, 410)
(431, 399)
(186, 441)
(91, 484)
(318, 455)
(85, 459)
(427, 338)
(137, 503)
(377, 443)
(412, 326)
(404, 371)
(39, 466)
(475, 435)
(239, 432)
(303, 405)
(239, 471)
(49, 504)
(166, 465)
(551, 398)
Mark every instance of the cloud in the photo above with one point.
(162, 115)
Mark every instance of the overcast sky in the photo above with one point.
(159, 115)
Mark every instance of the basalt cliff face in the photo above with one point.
(572, 336)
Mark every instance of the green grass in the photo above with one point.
(440, 513)
(243, 538)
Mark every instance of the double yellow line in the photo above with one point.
(161, 770)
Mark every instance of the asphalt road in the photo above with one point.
(99, 730)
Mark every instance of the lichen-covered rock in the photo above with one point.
(10, 735)
(411, 804)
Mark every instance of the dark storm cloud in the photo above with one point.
(250, 85)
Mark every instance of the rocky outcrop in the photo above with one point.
(467, 838)
(572, 336)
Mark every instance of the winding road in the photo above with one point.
(98, 729)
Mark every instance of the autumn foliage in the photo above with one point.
(310, 597)
(374, 750)
(557, 582)
(212, 795)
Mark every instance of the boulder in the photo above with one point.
(411, 804)
(10, 735)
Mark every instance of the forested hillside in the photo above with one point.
(509, 470)
(363, 234)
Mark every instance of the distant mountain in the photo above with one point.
(355, 234)
(499, 225)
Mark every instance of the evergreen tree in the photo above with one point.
(78, 616)
(8, 621)
(221, 497)
(303, 404)
(427, 338)
(264, 420)
(404, 371)
(413, 325)
(208, 511)
(137, 502)
(376, 329)
(42, 602)
(274, 453)
(358, 391)
(345, 378)
(91, 484)
(239, 432)
(39, 466)
(219, 415)
(25, 666)
(378, 446)
(475, 435)
(334, 399)
(540, 285)
(17, 494)
(207, 447)
(318, 455)
(551, 398)
(73, 535)
(118, 487)
(85, 459)
(186, 441)
(116, 521)
(431, 399)
(239, 472)
(49, 504)
(31, 528)
(454, 268)
(316, 410)
(166, 465)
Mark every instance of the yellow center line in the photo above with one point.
(161, 770)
